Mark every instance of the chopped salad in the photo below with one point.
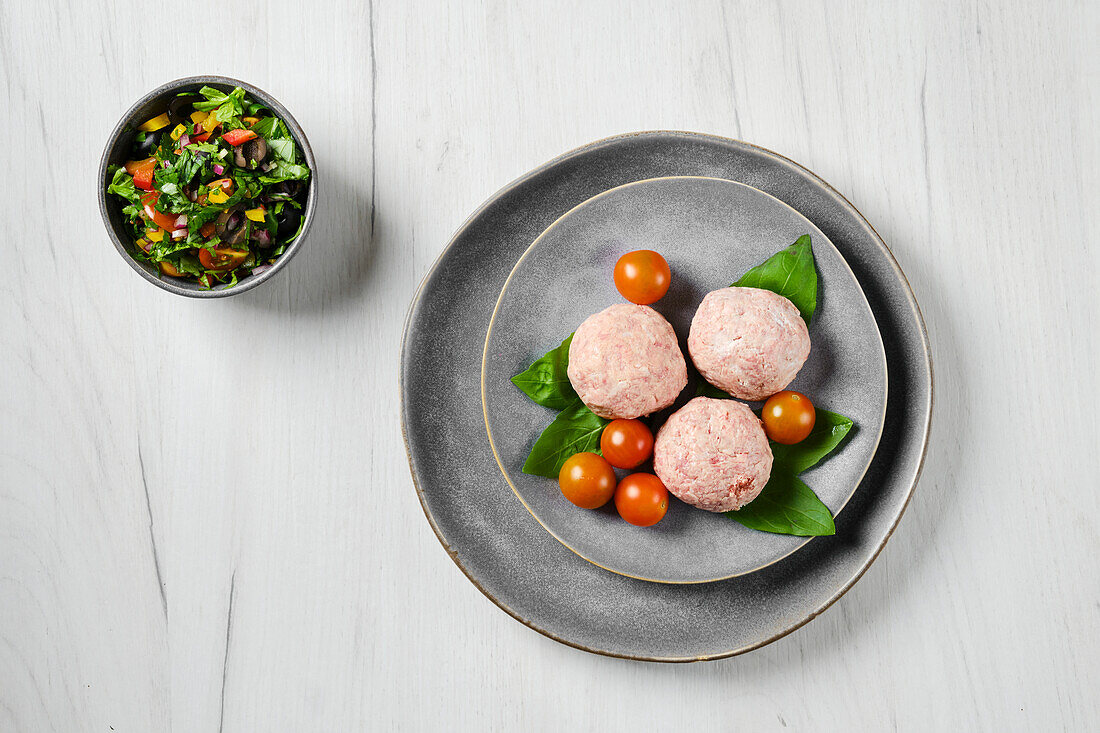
(215, 188)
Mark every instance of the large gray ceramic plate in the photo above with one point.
(711, 231)
(495, 540)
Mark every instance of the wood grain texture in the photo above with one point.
(206, 517)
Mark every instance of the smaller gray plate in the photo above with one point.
(711, 231)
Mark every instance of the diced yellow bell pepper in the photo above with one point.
(218, 196)
(210, 122)
(155, 124)
(154, 235)
(250, 121)
(177, 132)
(198, 116)
(256, 214)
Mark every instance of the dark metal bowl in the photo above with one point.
(117, 152)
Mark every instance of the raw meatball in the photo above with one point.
(625, 362)
(747, 341)
(713, 454)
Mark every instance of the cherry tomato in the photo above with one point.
(626, 443)
(641, 499)
(642, 276)
(162, 220)
(222, 260)
(789, 417)
(587, 480)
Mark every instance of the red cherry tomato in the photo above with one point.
(626, 443)
(162, 220)
(642, 276)
(222, 260)
(789, 417)
(587, 480)
(641, 499)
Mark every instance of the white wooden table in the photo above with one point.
(206, 516)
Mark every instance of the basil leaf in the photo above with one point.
(576, 429)
(786, 506)
(546, 381)
(791, 273)
(829, 430)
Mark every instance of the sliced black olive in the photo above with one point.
(250, 154)
(179, 109)
(144, 148)
(286, 189)
(238, 237)
(255, 151)
(289, 219)
(231, 226)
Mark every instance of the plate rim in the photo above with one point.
(485, 358)
(910, 298)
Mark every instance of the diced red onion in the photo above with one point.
(181, 222)
(193, 196)
(148, 246)
(149, 211)
(267, 167)
(262, 237)
(261, 268)
(222, 154)
(184, 140)
(165, 164)
(179, 233)
(219, 169)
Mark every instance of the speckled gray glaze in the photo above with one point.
(117, 152)
(498, 544)
(711, 231)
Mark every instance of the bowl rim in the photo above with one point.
(128, 118)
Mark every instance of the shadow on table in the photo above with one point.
(336, 260)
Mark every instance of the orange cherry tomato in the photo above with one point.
(626, 443)
(642, 276)
(789, 417)
(223, 259)
(169, 269)
(587, 480)
(207, 230)
(641, 499)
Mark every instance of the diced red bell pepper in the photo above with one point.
(142, 171)
(236, 137)
(201, 138)
(162, 220)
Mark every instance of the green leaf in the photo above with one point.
(786, 506)
(576, 429)
(829, 431)
(546, 381)
(122, 184)
(791, 273)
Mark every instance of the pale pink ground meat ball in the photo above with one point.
(625, 362)
(747, 341)
(713, 454)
